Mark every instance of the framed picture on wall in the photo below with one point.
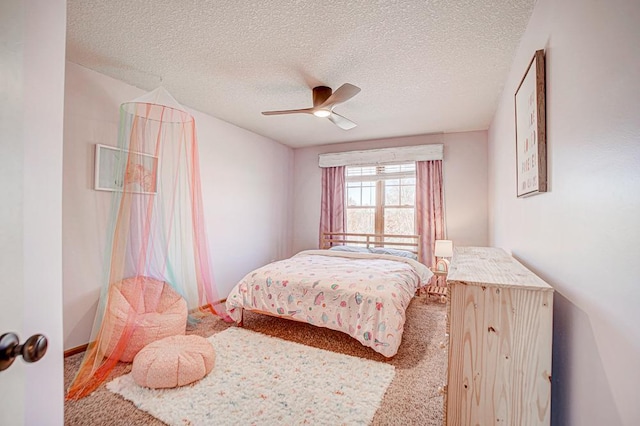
(113, 165)
(531, 135)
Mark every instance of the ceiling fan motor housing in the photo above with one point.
(320, 94)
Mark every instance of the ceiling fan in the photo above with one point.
(324, 101)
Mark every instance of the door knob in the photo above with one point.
(32, 350)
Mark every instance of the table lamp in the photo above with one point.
(443, 249)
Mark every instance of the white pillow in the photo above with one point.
(352, 249)
(394, 252)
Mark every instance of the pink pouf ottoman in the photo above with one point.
(173, 361)
(151, 306)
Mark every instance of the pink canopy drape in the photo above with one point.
(429, 208)
(156, 248)
(333, 215)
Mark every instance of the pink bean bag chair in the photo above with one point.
(156, 312)
(173, 361)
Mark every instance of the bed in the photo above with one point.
(360, 284)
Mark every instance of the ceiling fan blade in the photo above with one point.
(342, 122)
(289, 111)
(342, 94)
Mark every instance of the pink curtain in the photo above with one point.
(429, 208)
(333, 215)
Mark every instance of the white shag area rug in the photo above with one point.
(262, 380)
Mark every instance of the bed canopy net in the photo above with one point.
(156, 257)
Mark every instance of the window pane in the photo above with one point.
(354, 171)
(393, 168)
(361, 221)
(399, 221)
(408, 195)
(353, 196)
(409, 167)
(369, 196)
(368, 171)
(361, 171)
(408, 181)
(391, 195)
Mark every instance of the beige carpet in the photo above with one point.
(411, 399)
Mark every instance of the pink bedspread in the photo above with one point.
(364, 295)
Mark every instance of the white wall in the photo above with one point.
(246, 189)
(583, 237)
(464, 175)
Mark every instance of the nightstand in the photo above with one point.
(438, 286)
(440, 277)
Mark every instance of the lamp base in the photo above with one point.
(442, 265)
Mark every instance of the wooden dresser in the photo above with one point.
(500, 333)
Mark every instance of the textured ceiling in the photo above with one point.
(423, 66)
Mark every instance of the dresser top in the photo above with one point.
(493, 267)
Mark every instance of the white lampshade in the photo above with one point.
(444, 248)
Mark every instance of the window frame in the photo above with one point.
(380, 177)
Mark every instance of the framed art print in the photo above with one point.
(120, 170)
(531, 136)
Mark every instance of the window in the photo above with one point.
(381, 199)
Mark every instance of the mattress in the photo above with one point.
(362, 294)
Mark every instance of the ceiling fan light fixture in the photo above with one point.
(324, 100)
(322, 113)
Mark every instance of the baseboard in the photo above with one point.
(76, 350)
(208, 307)
(82, 348)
